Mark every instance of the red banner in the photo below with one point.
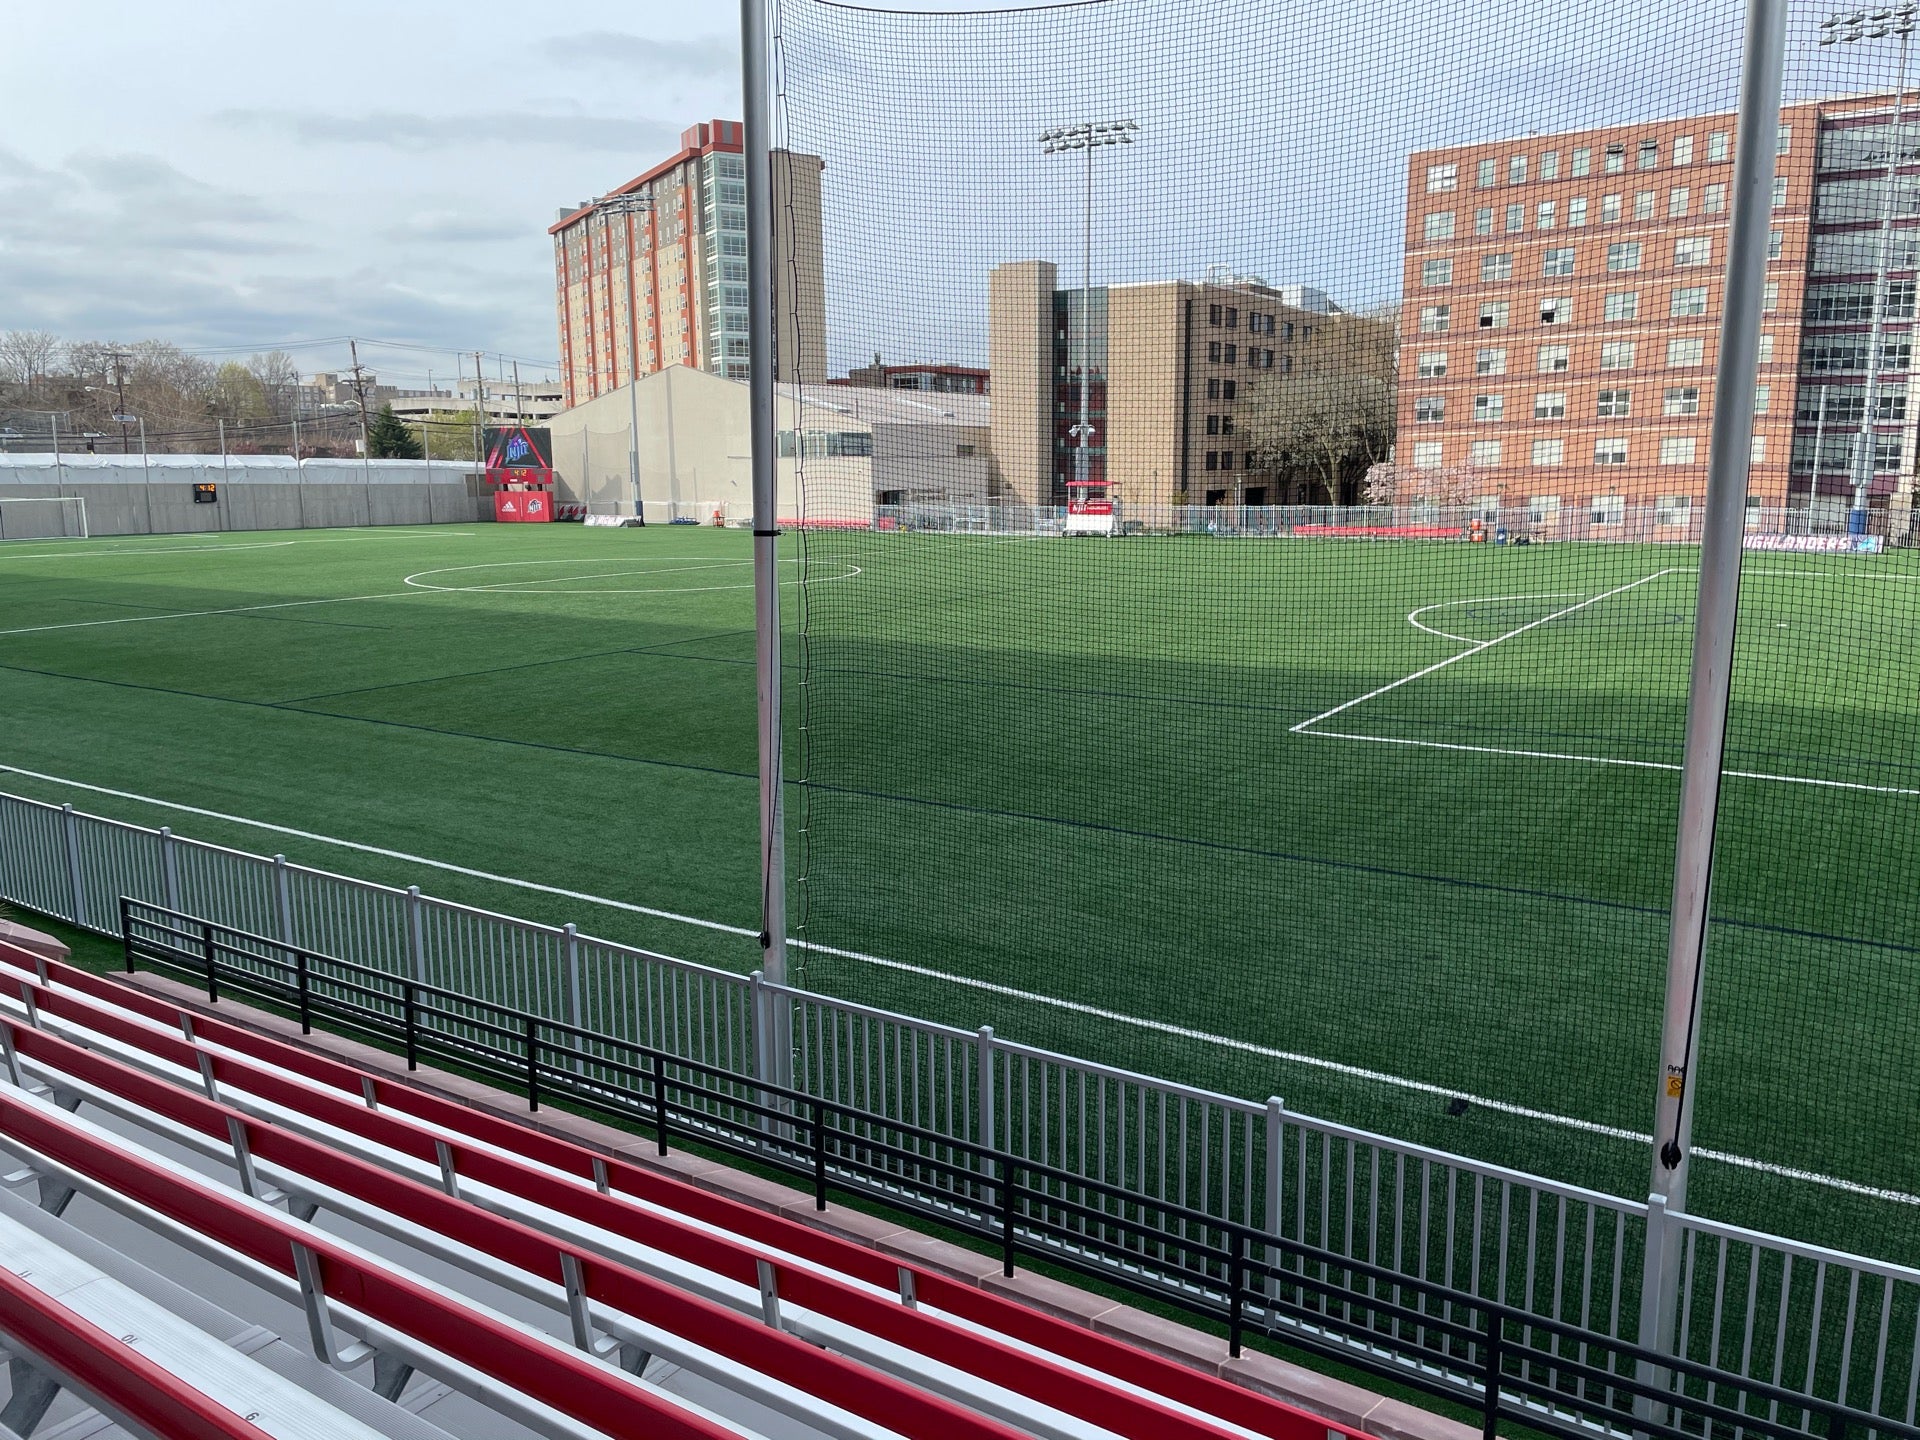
(522, 506)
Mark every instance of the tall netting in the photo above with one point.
(1265, 661)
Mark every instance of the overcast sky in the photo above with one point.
(227, 172)
(218, 173)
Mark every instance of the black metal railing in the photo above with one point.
(1513, 1365)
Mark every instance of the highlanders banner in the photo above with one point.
(519, 455)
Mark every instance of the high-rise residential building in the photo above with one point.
(1177, 373)
(655, 273)
(1562, 309)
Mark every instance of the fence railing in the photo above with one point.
(1142, 1168)
(1551, 1374)
(1496, 523)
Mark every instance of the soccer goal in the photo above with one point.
(62, 517)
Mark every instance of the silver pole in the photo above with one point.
(756, 44)
(1080, 456)
(1864, 447)
(1729, 451)
(146, 468)
(296, 436)
(53, 421)
(1819, 435)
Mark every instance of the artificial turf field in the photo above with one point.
(1378, 828)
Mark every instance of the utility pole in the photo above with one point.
(360, 392)
(479, 409)
(119, 359)
(518, 417)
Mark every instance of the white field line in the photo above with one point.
(1162, 1027)
(1413, 616)
(93, 552)
(196, 614)
(1479, 647)
(1613, 760)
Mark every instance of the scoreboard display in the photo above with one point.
(205, 492)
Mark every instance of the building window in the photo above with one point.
(1230, 354)
(1614, 404)
(1489, 409)
(1213, 346)
(1491, 361)
(1681, 400)
(1779, 191)
(1762, 398)
(1213, 424)
(1496, 267)
(1516, 219)
(1649, 155)
(1610, 451)
(1544, 509)
(1693, 250)
(1676, 450)
(1616, 355)
(1756, 450)
(1685, 352)
(1442, 177)
(1226, 424)
(1488, 174)
(1229, 389)
(1550, 405)
(1553, 359)
(1776, 244)
(1716, 147)
(1556, 310)
(1431, 365)
(1426, 454)
(1608, 509)
(1493, 314)
(1213, 314)
(1212, 461)
(1433, 321)
(1770, 297)
(1232, 317)
(1226, 459)
(1576, 212)
(1484, 452)
(1483, 220)
(1430, 410)
(1435, 273)
(1516, 170)
(1543, 215)
(1683, 150)
(1582, 162)
(1677, 201)
(1440, 225)
(1622, 305)
(1609, 209)
(1616, 159)
(1643, 205)
(1689, 301)
(1557, 261)
(1549, 452)
(1766, 349)
(1713, 200)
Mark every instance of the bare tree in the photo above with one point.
(278, 375)
(1332, 416)
(27, 355)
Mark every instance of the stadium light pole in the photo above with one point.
(1703, 754)
(1085, 137)
(629, 206)
(1848, 28)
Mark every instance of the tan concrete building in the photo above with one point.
(655, 273)
(1176, 370)
(842, 450)
(1563, 301)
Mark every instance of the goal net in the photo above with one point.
(62, 517)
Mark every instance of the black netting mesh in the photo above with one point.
(1308, 723)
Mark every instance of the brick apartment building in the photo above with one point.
(1175, 369)
(655, 273)
(1562, 309)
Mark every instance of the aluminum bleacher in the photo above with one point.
(566, 1291)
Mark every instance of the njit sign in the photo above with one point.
(521, 506)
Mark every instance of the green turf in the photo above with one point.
(1071, 769)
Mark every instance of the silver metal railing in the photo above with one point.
(1822, 1323)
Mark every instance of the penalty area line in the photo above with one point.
(1163, 1027)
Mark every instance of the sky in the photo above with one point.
(238, 174)
(245, 176)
